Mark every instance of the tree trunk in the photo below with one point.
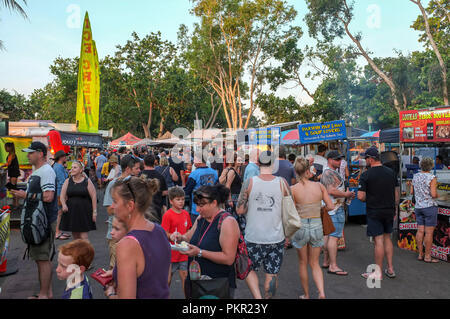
(380, 73)
(436, 51)
(161, 127)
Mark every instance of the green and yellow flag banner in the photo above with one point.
(88, 95)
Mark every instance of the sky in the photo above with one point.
(53, 29)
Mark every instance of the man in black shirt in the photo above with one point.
(176, 162)
(158, 198)
(379, 189)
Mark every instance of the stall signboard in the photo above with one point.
(259, 136)
(319, 132)
(82, 140)
(408, 226)
(425, 125)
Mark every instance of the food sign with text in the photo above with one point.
(425, 125)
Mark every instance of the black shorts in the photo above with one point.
(379, 226)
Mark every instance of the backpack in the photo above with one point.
(34, 225)
(242, 263)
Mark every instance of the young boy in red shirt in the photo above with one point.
(176, 219)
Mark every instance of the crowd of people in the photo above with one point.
(156, 200)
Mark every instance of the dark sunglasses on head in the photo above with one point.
(126, 181)
(198, 196)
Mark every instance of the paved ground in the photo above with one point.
(414, 279)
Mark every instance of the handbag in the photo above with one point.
(289, 215)
(327, 223)
(216, 288)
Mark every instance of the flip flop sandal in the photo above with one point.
(367, 275)
(420, 258)
(338, 272)
(431, 261)
(325, 267)
(390, 275)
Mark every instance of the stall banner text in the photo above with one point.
(260, 136)
(425, 125)
(318, 132)
(88, 96)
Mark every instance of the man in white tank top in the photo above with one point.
(260, 200)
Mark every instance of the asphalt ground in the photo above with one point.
(415, 280)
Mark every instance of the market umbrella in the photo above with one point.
(373, 134)
(127, 139)
(290, 137)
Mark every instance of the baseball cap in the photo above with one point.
(36, 147)
(59, 154)
(371, 152)
(334, 155)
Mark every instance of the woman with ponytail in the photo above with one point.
(308, 240)
(143, 256)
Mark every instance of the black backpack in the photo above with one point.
(34, 225)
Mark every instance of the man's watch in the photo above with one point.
(199, 254)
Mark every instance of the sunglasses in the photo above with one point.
(198, 196)
(126, 181)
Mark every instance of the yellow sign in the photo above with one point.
(88, 94)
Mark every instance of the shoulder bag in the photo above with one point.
(289, 215)
(327, 223)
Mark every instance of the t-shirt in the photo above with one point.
(285, 170)
(180, 222)
(61, 176)
(320, 160)
(202, 176)
(379, 183)
(338, 183)
(251, 170)
(177, 167)
(99, 161)
(422, 190)
(158, 197)
(108, 201)
(83, 291)
(43, 180)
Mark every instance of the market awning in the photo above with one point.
(82, 139)
(391, 135)
(127, 139)
(373, 134)
(290, 137)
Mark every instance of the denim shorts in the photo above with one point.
(310, 233)
(427, 216)
(179, 266)
(338, 221)
(268, 255)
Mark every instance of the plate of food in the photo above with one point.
(183, 246)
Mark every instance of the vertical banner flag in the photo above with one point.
(88, 94)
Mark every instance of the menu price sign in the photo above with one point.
(425, 125)
(318, 132)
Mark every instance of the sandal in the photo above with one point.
(63, 236)
(370, 275)
(420, 258)
(338, 272)
(390, 275)
(431, 261)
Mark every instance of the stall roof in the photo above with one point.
(391, 135)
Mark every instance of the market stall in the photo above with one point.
(429, 131)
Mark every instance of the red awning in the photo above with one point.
(127, 139)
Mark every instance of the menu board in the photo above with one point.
(318, 132)
(425, 125)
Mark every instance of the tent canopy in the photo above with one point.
(373, 134)
(127, 139)
(391, 135)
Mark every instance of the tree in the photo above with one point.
(231, 45)
(436, 7)
(331, 19)
(13, 5)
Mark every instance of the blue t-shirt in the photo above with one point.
(202, 176)
(100, 160)
(285, 170)
(61, 176)
(83, 291)
(251, 170)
